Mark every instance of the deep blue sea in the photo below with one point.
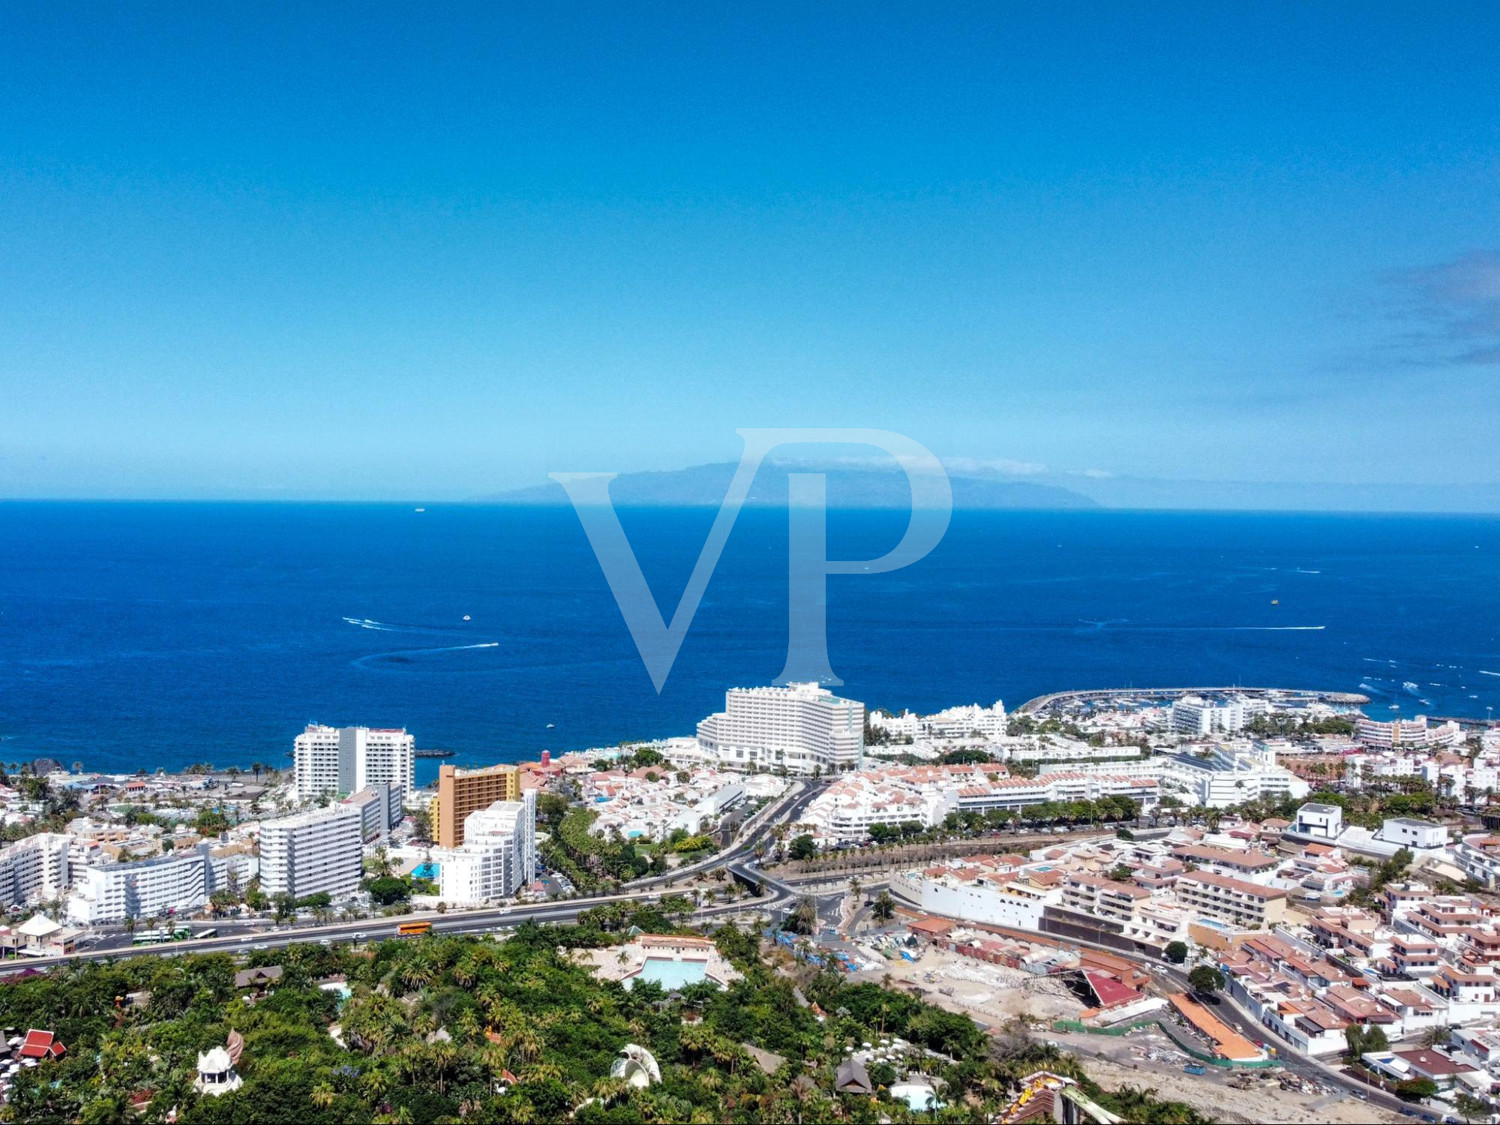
(141, 635)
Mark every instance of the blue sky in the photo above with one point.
(375, 253)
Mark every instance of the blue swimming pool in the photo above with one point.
(671, 975)
(425, 871)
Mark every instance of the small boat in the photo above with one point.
(551, 725)
(419, 509)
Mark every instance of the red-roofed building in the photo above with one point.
(41, 1045)
(1110, 992)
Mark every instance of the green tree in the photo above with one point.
(1176, 952)
(1416, 1089)
(1206, 980)
(387, 889)
(802, 847)
(885, 907)
(1471, 1108)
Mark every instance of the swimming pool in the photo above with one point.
(671, 975)
(425, 871)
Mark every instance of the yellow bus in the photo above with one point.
(413, 929)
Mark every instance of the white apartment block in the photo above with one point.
(1230, 774)
(340, 760)
(1192, 714)
(34, 869)
(380, 806)
(1406, 732)
(847, 809)
(953, 724)
(801, 728)
(960, 890)
(1479, 856)
(1103, 898)
(497, 857)
(1226, 899)
(313, 852)
(1411, 832)
(149, 888)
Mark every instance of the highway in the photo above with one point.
(737, 859)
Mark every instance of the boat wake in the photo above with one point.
(403, 627)
(415, 655)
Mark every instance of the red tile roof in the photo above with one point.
(41, 1045)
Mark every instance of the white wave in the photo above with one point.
(1482, 672)
(368, 623)
(403, 627)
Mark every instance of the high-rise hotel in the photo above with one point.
(801, 728)
(461, 792)
(342, 760)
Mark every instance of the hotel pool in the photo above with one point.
(671, 975)
(425, 871)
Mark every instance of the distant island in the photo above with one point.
(848, 487)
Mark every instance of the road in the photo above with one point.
(1236, 1017)
(737, 859)
(238, 937)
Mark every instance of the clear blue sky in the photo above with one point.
(378, 252)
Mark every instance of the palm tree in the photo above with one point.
(528, 1045)
(377, 1083)
(606, 1090)
(443, 1058)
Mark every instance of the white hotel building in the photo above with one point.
(34, 869)
(801, 728)
(313, 852)
(149, 888)
(847, 809)
(1193, 714)
(343, 760)
(497, 857)
(1406, 732)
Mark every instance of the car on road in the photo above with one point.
(261, 945)
(361, 936)
(247, 937)
(325, 941)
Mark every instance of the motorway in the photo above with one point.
(738, 859)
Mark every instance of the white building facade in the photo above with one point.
(149, 888)
(340, 760)
(380, 807)
(1193, 714)
(316, 852)
(801, 728)
(34, 869)
(1415, 732)
(497, 857)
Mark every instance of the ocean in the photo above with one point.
(138, 635)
